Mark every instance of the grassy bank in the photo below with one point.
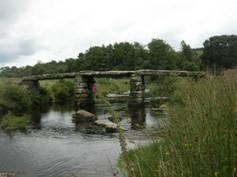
(105, 86)
(201, 138)
(61, 91)
(11, 122)
(17, 102)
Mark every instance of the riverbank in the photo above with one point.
(17, 104)
(201, 137)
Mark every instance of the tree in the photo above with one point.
(220, 51)
(188, 60)
(186, 51)
(161, 55)
(96, 58)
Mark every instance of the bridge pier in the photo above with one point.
(137, 88)
(83, 92)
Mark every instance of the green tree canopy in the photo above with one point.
(161, 55)
(220, 51)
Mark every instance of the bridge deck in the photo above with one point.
(50, 76)
(112, 74)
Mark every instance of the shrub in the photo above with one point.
(63, 91)
(16, 98)
(12, 122)
(105, 86)
(40, 99)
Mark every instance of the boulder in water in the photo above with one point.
(109, 126)
(84, 116)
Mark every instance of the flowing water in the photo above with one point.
(55, 147)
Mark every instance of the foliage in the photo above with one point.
(201, 137)
(12, 122)
(189, 59)
(162, 86)
(119, 56)
(19, 99)
(105, 86)
(40, 99)
(14, 97)
(63, 91)
(220, 51)
(161, 55)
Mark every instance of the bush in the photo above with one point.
(105, 86)
(19, 99)
(63, 91)
(11, 122)
(15, 98)
(163, 86)
(40, 99)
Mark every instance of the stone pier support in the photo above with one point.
(83, 92)
(137, 87)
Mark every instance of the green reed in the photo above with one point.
(200, 139)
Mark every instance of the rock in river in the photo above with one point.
(109, 126)
(84, 116)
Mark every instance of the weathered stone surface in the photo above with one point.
(110, 127)
(145, 72)
(84, 116)
(83, 91)
(148, 72)
(137, 87)
(7, 174)
(50, 76)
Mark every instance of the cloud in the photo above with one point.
(12, 50)
(58, 29)
(10, 11)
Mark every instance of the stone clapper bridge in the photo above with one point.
(84, 81)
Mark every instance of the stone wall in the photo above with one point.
(83, 91)
(137, 87)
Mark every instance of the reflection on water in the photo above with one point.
(138, 116)
(36, 119)
(56, 147)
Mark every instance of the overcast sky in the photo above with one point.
(44, 30)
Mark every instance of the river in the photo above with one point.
(55, 147)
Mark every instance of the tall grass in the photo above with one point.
(105, 86)
(162, 86)
(13, 96)
(201, 138)
(61, 91)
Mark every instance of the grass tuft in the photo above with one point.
(11, 122)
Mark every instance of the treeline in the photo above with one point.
(119, 56)
(218, 52)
